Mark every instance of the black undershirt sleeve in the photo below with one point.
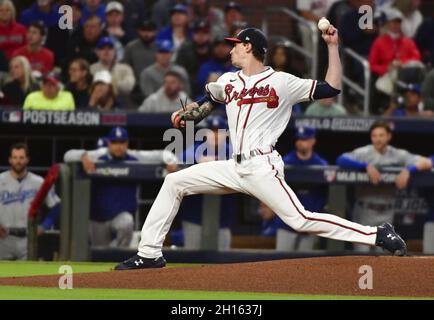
(324, 90)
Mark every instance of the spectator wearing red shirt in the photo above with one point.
(41, 59)
(392, 50)
(12, 34)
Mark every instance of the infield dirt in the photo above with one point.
(392, 276)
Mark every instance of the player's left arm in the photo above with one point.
(195, 111)
(332, 85)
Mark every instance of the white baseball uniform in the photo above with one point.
(258, 109)
(16, 197)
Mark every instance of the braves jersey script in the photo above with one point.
(259, 107)
(16, 197)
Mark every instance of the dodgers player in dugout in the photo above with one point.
(313, 198)
(18, 188)
(375, 203)
(216, 147)
(258, 105)
(114, 203)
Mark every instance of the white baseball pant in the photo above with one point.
(261, 177)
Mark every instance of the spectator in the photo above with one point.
(114, 203)
(152, 78)
(375, 204)
(313, 198)
(50, 97)
(425, 41)
(19, 84)
(392, 50)
(177, 32)
(167, 98)
(427, 91)
(80, 81)
(281, 58)
(122, 74)
(103, 95)
(194, 53)
(340, 8)
(410, 104)
(140, 53)
(83, 42)
(220, 62)
(325, 108)
(412, 18)
(58, 39)
(137, 11)
(115, 18)
(161, 11)
(353, 37)
(270, 221)
(312, 11)
(43, 10)
(12, 34)
(41, 59)
(216, 147)
(357, 39)
(18, 188)
(203, 10)
(233, 15)
(93, 8)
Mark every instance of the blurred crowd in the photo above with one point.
(145, 56)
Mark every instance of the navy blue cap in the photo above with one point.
(102, 142)
(179, 8)
(201, 25)
(233, 5)
(164, 46)
(216, 122)
(415, 87)
(105, 41)
(251, 35)
(118, 134)
(305, 132)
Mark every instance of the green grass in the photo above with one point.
(19, 269)
(34, 268)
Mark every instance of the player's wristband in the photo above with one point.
(412, 168)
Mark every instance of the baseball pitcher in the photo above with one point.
(258, 105)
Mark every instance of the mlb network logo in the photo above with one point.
(12, 116)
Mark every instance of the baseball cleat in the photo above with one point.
(138, 262)
(388, 239)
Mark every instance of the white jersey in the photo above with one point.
(16, 197)
(259, 107)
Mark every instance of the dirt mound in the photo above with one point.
(392, 276)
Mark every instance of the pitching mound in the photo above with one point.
(392, 276)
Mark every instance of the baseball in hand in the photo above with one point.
(323, 24)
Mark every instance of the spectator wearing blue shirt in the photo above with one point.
(178, 31)
(313, 198)
(93, 8)
(410, 104)
(114, 202)
(215, 148)
(42, 10)
(219, 64)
